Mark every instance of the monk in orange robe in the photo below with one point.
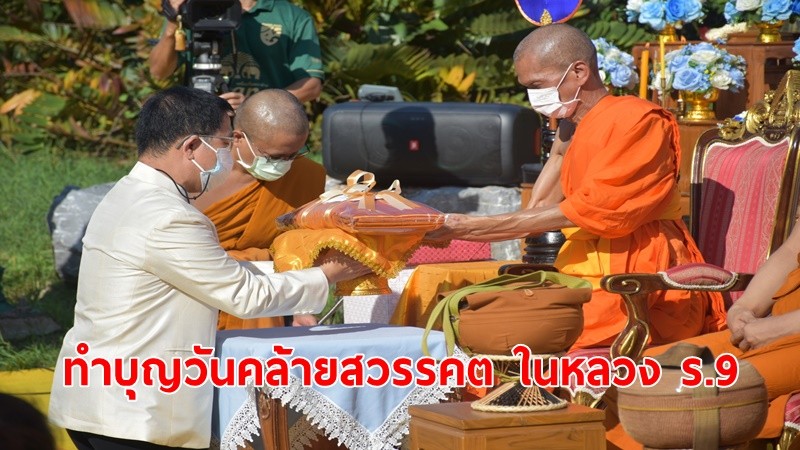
(763, 328)
(268, 179)
(620, 207)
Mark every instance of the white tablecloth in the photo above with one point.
(364, 418)
(376, 308)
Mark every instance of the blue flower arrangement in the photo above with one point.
(796, 48)
(616, 67)
(660, 13)
(760, 11)
(701, 67)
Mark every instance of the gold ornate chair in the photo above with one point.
(744, 196)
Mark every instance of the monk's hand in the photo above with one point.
(339, 267)
(454, 227)
(304, 320)
(761, 332)
(738, 318)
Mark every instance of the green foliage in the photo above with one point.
(74, 73)
(607, 19)
(30, 183)
(33, 353)
(456, 50)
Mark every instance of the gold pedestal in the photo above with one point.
(668, 34)
(770, 31)
(367, 285)
(699, 106)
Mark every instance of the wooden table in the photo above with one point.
(426, 282)
(456, 426)
(766, 65)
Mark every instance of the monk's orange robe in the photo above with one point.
(619, 178)
(246, 226)
(777, 363)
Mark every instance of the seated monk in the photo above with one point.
(763, 328)
(269, 178)
(619, 206)
(547, 189)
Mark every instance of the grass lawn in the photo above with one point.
(29, 184)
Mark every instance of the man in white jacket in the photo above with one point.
(152, 280)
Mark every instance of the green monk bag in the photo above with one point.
(542, 310)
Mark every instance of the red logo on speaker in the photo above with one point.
(413, 145)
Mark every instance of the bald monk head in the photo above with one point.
(270, 128)
(563, 57)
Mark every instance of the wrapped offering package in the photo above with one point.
(380, 229)
(356, 209)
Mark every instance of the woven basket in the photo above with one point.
(670, 416)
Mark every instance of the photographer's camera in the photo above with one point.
(209, 22)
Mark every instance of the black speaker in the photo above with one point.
(430, 144)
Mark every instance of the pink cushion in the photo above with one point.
(792, 415)
(698, 274)
(739, 196)
(456, 251)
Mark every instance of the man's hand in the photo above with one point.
(170, 9)
(234, 98)
(339, 267)
(304, 320)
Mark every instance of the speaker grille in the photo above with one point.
(430, 143)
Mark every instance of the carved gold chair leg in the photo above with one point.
(586, 399)
(787, 438)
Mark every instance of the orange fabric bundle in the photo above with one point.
(381, 230)
(384, 254)
(355, 209)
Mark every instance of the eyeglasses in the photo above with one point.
(276, 159)
(227, 139)
(304, 150)
(208, 137)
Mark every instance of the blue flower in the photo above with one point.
(688, 79)
(621, 76)
(683, 10)
(652, 13)
(776, 10)
(699, 67)
(731, 13)
(704, 46)
(796, 49)
(676, 10)
(658, 13)
(738, 79)
(616, 67)
(677, 62)
(626, 58)
(694, 10)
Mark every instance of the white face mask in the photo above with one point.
(210, 179)
(548, 102)
(264, 168)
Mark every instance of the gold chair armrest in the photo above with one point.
(636, 287)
